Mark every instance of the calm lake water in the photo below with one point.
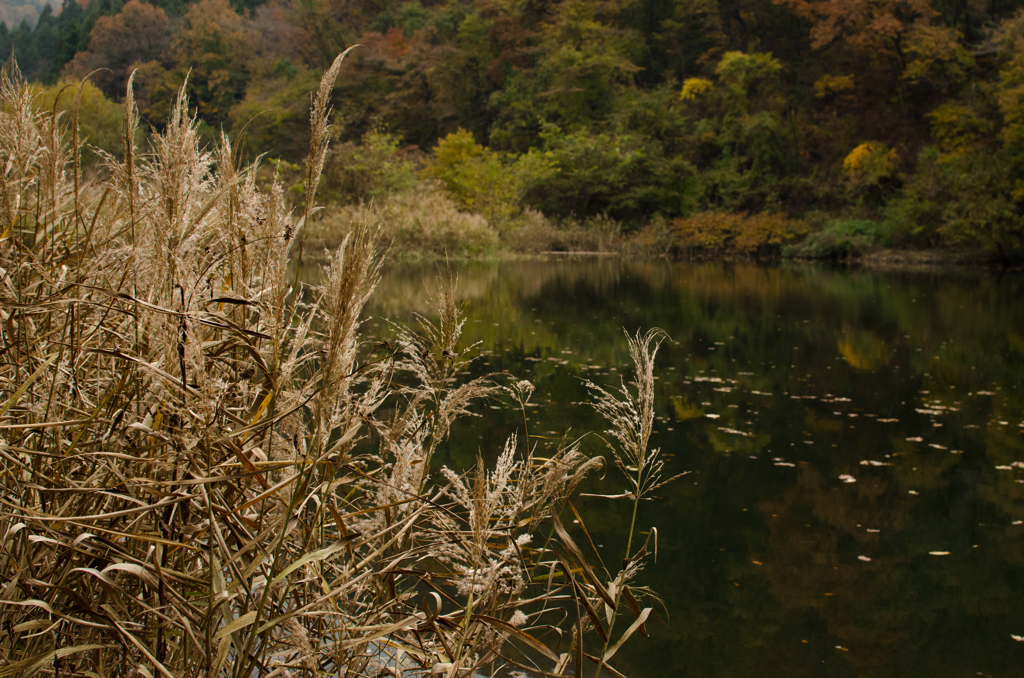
(854, 441)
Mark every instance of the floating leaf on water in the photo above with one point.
(913, 492)
(938, 553)
(915, 439)
(864, 558)
(712, 416)
(784, 463)
(1004, 468)
(1019, 639)
(873, 531)
(887, 421)
(847, 478)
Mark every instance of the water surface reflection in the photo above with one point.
(855, 505)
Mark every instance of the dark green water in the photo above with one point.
(855, 443)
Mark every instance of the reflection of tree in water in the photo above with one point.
(863, 350)
(858, 555)
(817, 529)
(915, 371)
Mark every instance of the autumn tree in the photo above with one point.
(138, 33)
(217, 44)
(872, 25)
(586, 58)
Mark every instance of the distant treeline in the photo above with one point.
(895, 120)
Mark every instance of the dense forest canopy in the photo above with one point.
(907, 115)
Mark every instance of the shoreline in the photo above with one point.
(881, 259)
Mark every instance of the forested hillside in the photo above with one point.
(860, 121)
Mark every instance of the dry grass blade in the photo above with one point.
(206, 470)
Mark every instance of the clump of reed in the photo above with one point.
(206, 470)
(531, 232)
(419, 222)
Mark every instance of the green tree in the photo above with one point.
(275, 113)
(24, 47)
(6, 42)
(741, 143)
(43, 40)
(586, 59)
(100, 120)
(484, 181)
(71, 38)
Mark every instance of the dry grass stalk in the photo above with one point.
(197, 475)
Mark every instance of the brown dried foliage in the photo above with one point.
(205, 472)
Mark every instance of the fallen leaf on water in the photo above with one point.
(1019, 639)
(864, 558)
(847, 478)
(938, 553)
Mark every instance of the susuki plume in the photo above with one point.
(205, 469)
